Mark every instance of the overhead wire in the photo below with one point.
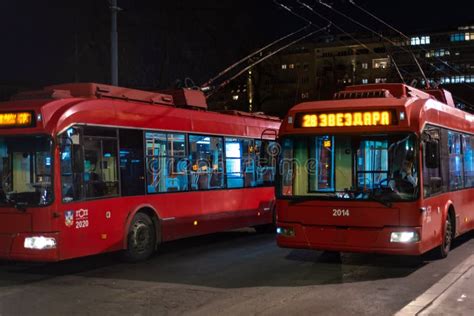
(367, 28)
(362, 44)
(337, 27)
(223, 84)
(246, 58)
(444, 62)
(382, 37)
(401, 33)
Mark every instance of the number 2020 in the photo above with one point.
(340, 212)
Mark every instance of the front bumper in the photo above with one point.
(354, 239)
(12, 248)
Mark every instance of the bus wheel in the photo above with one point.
(448, 234)
(141, 239)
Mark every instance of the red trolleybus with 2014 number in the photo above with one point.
(90, 168)
(381, 168)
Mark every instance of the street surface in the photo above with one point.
(231, 273)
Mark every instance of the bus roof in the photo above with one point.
(60, 106)
(413, 109)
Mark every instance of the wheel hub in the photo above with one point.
(140, 236)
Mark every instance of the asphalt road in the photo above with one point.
(231, 273)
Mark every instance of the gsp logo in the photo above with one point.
(82, 214)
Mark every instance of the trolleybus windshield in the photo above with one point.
(25, 170)
(364, 167)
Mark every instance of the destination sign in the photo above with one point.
(16, 119)
(345, 119)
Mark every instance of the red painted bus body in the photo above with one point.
(73, 227)
(364, 205)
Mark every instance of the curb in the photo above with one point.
(426, 299)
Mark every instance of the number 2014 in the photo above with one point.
(340, 212)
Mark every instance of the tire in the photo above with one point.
(448, 234)
(141, 239)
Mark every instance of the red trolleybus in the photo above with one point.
(381, 168)
(91, 168)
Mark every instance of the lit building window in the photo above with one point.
(365, 65)
(437, 53)
(380, 63)
(457, 79)
(380, 80)
(365, 81)
(283, 66)
(291, 66)
(420, 40)
(460, 37)
(305, 95)
(235, 97)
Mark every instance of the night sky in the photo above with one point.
(45, 42)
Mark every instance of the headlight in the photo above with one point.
(285, 231)
(405, 237)
(40, 242)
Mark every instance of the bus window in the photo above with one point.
(89, 165)
(322, 152)
(432, 179)
(240, 163)
(455, 161)
(166, 162)
(233, 163)
(249, 163)
(100, 167)
(132, 171)
(372, 163)
(286, 166)
(206, 162)
(468, 147)
(265, 156)
(71, 165)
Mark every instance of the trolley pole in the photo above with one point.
(114, 43)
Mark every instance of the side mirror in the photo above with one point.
(432, 154)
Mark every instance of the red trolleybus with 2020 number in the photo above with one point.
(90, 168)
(381, 168)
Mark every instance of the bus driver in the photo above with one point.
(404, 181)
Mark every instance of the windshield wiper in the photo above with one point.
(302, 199)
